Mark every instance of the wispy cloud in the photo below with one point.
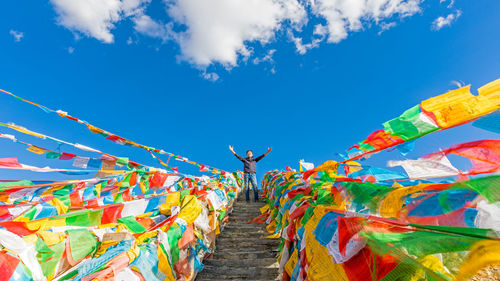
(211, 76)
(267, 58)
(17, 35)
(386, 26)
(71, 50)
(441, 22)
(145, 25)
(450, 5)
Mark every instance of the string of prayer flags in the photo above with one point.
(49, 154)
(438, 113)
(108, 135)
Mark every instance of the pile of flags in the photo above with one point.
(349, 221)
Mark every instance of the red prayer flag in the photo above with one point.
(483, 154)
(66, 156)
(8, 265)
(9, 162)
(157, 179)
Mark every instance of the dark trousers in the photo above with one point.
(251, 179)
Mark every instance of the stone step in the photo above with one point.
(263, 262)
(247, 208)
(245, 251)
(235, 254)
(227, 272)
(246, 232)
(257, 233)
(241, 213)
(251, 203)
(207, 278)
(245, 222)
(242, 227)
(243, 216)
(242, 249)
(242, 243)
(244, 210)
(258, 239)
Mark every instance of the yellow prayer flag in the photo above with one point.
(164, 265)
(36, 149)
(482, 254)
(292, 261)
(25, 131)
(459, 106)
(190, 209)
(173, 199)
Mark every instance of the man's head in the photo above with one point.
(249, 153)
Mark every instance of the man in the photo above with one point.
(250, 168)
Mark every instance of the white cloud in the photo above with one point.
(95, 18)
(17, 35)
(71, 50)
(343, 16)
(386, 26)
(267, 58)
(220, 30)
(441, 22)
(212, 76)
(319, 35)
(450, 5)
(225, 31)
(147, 26)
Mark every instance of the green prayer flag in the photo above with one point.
(420, 243)
(486, 186)
(467, 231)
(84, 218)
(15, 183)
(52, 155)
(367, 194)
(410, 125)
(174, 234)
(43, 251)
(81, 242)
(131, 223)
(122, 161)
(185, 192)
(49, 266)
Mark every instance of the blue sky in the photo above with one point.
(154, 83)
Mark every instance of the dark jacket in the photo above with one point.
(250, 163)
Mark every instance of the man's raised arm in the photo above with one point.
(237, 156)
(263, 155)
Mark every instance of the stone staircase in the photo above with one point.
(242, 252)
